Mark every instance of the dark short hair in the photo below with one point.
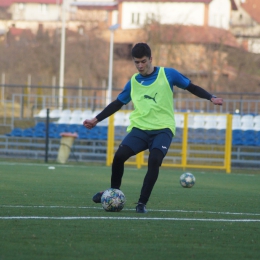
(140, 50)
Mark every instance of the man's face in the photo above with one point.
(143, 65)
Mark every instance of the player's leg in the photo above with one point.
(158, 146)
(154, 162)
(132, 144)
(122, 154)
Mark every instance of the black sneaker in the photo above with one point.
(97, 197)
(140, 208)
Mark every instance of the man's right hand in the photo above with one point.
(90, 123)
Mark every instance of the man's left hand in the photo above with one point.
(217, 101)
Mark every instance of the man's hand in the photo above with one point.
(90, 123)
(217, 101)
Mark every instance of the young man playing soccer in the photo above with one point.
(152, 124)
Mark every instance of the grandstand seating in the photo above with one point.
(17, 132)
(127, 120)
(202, 128)
(179, 120)
(256, 119)
(211, 124)
(28, 132)
(256, 126)
(56, 113)
(75, 120)
(39, 133)
(247, 119)
(86, 114)
(119, 118)
(42, 113)
(40, 126)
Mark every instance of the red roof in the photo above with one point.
(177, 1)
(19, 32)
(7, 3)
(234, 5)
(252, 7)
(96, 5)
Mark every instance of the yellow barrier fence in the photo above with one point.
(185, 154)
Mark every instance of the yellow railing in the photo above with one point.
(225, 160)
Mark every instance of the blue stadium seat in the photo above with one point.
(52, 127)
(249, 133)
(176, 139)
(17, 132)
(257, 135)
(211, 141)
(93, 133)
(221, 141)
(237, 141)
(249, 137)
(82, 128)
(196, 135)
(73, 128)
(61, 128)
(27, 132)
(249, 142)
(102, 136)
(178, 131)
(103, 129)
(211, 132)
(211, 136)
(237, 133)
(83, 135)
(257, 143)
(39, 133)
(40, 126)
(53, 134)
(102, 132)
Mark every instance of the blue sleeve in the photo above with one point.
(125, 95)
(175, 78)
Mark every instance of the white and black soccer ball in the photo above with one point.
(187, 180)
(113, 200)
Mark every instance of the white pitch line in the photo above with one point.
(128, 218)
(126, 209)
(60, 165)
(84, 166)
(48, 165)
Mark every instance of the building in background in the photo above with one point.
(245, 24)
(195, 36)
(135, 13)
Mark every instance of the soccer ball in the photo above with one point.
(113, 200)
(187, 180)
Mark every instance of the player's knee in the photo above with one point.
(123, 153)
(119, 157)
(155, 158)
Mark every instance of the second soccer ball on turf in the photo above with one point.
(187, 180)
(113, 200)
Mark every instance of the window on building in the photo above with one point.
(150, 17)
(21, 6)
(43, 8)
(135, 18)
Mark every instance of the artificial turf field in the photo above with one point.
(48, 214)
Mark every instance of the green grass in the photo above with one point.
(219, 218)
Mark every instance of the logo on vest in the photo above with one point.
(153, 98)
